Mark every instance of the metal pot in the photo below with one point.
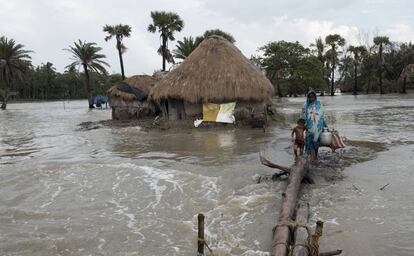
(326, 138)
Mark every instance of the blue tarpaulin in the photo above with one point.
(99, 100)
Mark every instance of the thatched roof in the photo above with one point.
(142, 82)
(216, 71)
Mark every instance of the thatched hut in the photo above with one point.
(215, 72)
(129, 98)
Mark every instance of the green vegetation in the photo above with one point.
(188, 45)
(88, 57)
(293, 68)
(333, 41)
(167, 23)
(119, 32)
(185, 47)
(381, 41)
(14, 63)
(219, 32)
(327, 64)
(359, 52)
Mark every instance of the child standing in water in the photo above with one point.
(298, 137)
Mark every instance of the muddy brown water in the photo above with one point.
(127, 191)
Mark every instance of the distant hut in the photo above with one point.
(215, 72)
(129, 98)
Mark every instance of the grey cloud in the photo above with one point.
(49, 26)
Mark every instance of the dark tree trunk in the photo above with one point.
(164, 48)
(333, 72)
(323, 77)
(355, 79)
(380, 70)
(4, 103)
(120, 59)
(404, 87)
(88, 86)
(6, 91)
(369, 81)
(279, 90)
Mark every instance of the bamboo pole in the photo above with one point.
(282, 232)
(301, 232)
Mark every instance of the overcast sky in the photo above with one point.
(48, 26)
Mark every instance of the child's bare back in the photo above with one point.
(298, 137)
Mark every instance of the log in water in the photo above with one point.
(282, 233)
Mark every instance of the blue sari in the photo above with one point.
(314, 116)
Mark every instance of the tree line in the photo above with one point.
(325, 65)
(329, 63)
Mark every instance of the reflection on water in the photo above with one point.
(126, 191)
(204, 146)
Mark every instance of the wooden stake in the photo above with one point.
(200, 242)
(314, 241)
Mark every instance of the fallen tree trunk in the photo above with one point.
(301, 234)
(284, 170)
(268, 163)
(282, 232)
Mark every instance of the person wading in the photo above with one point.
(314, 115)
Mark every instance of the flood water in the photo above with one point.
(126, 191)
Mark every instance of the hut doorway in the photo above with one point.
(175, 109)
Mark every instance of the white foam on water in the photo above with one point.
(154, 176)
(53, 197)
(131, 220)
(228, 223)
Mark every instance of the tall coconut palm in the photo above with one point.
(167, 23)
(381, 41)
(87, 55)
(319, 51)
(358, 52)
(119, 32)
(334, 40)
(14, 63)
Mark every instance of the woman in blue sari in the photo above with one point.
(314, 115)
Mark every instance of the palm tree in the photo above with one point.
(219, 32)
(14, 64)
(119, 32)
(334, 41)
(185, 47)
(188, 45)
(87, 55)
(167, 23)
(381, 41)
(358, 52)
(320, 55)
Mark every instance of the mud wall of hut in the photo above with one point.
(122, 110)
